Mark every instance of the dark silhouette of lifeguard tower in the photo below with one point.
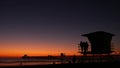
(100, 42)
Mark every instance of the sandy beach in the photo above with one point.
(76, 65)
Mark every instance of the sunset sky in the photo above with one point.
(49, 27)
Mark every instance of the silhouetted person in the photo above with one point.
(82, 46)
(69, 62)
(73, 59)
(85, 47)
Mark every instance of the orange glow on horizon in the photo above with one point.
(17, 54)
(33, 48)
(18, 49)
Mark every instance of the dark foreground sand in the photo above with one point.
(77, 65)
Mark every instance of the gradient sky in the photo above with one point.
(49, 27)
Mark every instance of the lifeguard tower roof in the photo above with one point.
(98, 33)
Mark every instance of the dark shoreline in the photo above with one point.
(76, 65)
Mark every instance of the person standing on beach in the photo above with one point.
(73, 59)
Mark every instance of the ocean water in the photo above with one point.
(19, 61)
